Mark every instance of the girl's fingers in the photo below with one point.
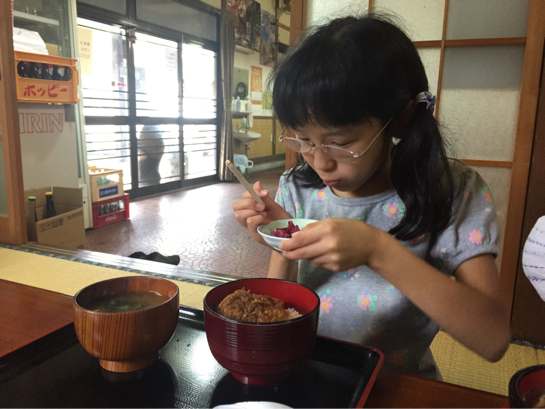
(247, 204)
(305, 237)
(243, 216)
(308, 251)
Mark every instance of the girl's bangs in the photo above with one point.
(316, 91)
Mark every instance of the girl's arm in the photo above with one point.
(283, 268)
(470, 309)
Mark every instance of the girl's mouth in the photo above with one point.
(331, 183)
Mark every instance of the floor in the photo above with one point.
(198, 225)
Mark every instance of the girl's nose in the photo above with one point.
(322, 161)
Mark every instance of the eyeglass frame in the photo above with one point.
(321, 147)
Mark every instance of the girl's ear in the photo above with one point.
(404, 119)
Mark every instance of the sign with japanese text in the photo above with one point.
(256, 85)
(85, 50)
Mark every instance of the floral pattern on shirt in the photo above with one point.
(350, 274)
(366, 301)
(399, 358)
(319, 195)
(325, 302)
(282, 194)
(377, 330)
(487, 196)
(298, 209)
(390, 287)
(476, 236)
(394, 210)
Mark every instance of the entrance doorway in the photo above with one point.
(150, 107)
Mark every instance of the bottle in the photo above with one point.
(249, 105)
(238, 104)
(22, 69)
(49, 205)
(32, 201)
(67, 74)
(56, 74)
(33, 71)
(244, 123)
(46, 75)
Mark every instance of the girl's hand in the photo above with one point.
(335, 244)
(251, 214)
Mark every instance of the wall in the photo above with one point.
(213, 3)
(48, 145)
(267, 145)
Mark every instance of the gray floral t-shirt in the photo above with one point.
(358, 305)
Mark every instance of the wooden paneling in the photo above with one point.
(13, 228)
(528, 308)
(531, 73)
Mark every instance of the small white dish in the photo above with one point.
(266, 229)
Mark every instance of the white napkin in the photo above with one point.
(533, 257)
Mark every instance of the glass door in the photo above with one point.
(139, 117)
(156, 73)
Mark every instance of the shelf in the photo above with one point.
(240, 114)
(37, 19)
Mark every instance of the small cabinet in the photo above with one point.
(49, 18)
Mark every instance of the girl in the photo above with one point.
(406, 239)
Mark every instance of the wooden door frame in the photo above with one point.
(528, 307)
(522, 156)
(13, 227)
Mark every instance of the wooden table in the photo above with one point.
(28, 313)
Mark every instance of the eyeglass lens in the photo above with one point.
(304, 147)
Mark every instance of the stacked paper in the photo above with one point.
(28, 41)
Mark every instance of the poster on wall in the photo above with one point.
(253, 24)
(238, 8)
(267, 50)
(256, 85)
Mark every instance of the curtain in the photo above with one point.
(227, 59)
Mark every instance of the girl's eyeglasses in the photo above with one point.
(334, 152)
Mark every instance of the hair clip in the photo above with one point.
(428, 98)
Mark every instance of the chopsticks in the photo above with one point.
(244, 182)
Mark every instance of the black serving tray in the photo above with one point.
(56, 371)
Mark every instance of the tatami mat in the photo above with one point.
(68, 277)
(457, 364)
(461, 366)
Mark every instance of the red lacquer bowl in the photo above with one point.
(265, 353)
(527, 387)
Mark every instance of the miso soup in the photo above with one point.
(126, 302)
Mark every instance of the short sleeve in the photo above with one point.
(473, 228)
(284, 197)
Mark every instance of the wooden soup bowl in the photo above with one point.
(260, 354)
(126, 341)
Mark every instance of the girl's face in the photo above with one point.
(364, 176)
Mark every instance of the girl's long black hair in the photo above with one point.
(356, 68)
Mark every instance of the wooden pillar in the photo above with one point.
(297, 24)
(12, 227)
(529, 93)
